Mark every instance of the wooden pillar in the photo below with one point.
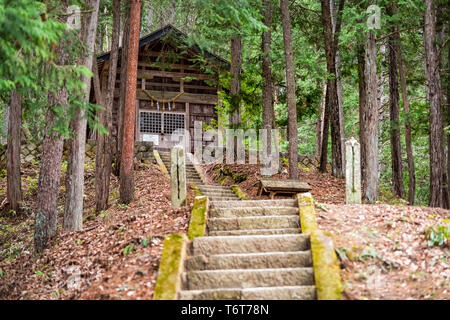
(137, 133)
(187, 124)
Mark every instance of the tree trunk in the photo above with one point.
(398, 188)
(339, 90)
(408, 138)
(126, 164)
(122, 90)
(331, 41)
(434, 86)
(172, 11)
(46, 213)
(325, 133)
(235, 70)
(267, 90)
(103, 160)
(290, 91)
(13, 152)
(319, 123)
(362, 108)
(150, 18)
(447, 108)
(370, 127)
(73, 210)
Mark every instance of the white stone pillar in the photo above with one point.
(352, 172)
(178, 176)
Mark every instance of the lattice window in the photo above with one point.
(157, 122)
(173, 121)
(150, 122)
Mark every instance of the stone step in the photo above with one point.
(250, 261)
(248, 278)
(249, 244)
(262, 293)
(254, 232)
(248, 223)
(258, 203)
(219, 194)
(224, 198)
(216, 187)
(251, 211)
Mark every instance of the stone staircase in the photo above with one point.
(213, 192)
(254, 250)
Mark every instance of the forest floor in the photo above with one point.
(116, 255)
(383, 251)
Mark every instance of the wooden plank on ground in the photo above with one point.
(274, 186)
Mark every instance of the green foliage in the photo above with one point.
(437, 235)
(128, 249)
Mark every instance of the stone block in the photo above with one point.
(178, 177)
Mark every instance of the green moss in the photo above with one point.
(307, 213)
(239, 192)
(170, 268)
(196, 190)
(161, 164)
(197, 223)
(326, 268)
(325, 263)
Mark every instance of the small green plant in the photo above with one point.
(104, 215)
(57, 293)
(369, 253)
(40, 273)
(437, 235)
(122, 206)
(145, 242)
(122, 229)
(128, 249)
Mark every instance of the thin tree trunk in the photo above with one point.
(408, 138)
(46, 213)
(325, 133)
(447, 108)
(172, 11)
(122, 90)
(126, 165)
(150, 18)
(103, 161)
(290, 91)
(319, 123)
(434, 85)
(339, 89)
(396, 148)
(370, 129)
(73, 210)
(267, 90)
(331, 41)
(13, 152)
(362, 108)
(235, 70)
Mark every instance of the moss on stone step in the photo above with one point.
(325, 264)
(168, 283)
(197, 223)
(239, 192)
(326, 268)
(307, 213)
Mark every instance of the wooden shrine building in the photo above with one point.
(177, 85)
